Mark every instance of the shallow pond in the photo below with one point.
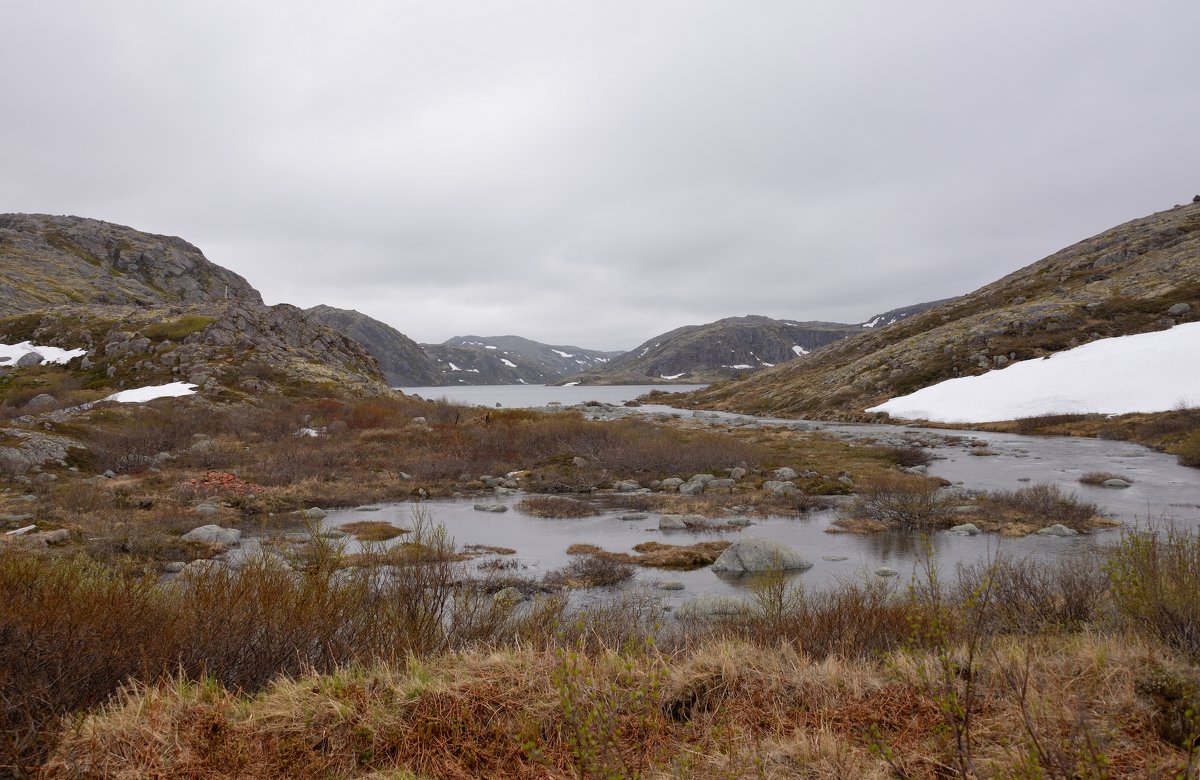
(1162, 491)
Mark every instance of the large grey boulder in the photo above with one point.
(497, 508)
(786, 473)
(1058, 529)
(692, 488)
(966, 529)
(214, 534)
(1115, 483)
(719, 485)
(1178, 310)
(780, 488)
(29, 359)
(755, 554)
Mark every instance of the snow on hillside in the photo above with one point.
(141, 394)
(1149, 372)
(11, 353)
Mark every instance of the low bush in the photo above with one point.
(899, 501)
(1097, 478)
(1154, 577)
(589, 571)
(1044, 504)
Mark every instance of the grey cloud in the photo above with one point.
(596, 173)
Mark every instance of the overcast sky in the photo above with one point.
(595, 173)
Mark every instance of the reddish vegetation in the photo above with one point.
(216, 483)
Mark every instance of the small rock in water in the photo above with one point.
(884, 571)
(834, 558)
(758, 554)
(1023, 479)
(966, 529)
(632, 516)
(670, 585)
(314, 513)
(491, 508)
(508, 595)
(1115, 483)
(1058, 529)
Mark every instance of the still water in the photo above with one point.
(527, 396)
(1162, 492)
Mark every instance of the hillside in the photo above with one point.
(1137, 277)
(506, 360)
(51, 260)
(147, 310)
(401, 359)
(717, 350)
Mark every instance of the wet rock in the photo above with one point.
(1058, 529)
(669, 585)
(966, 529)
(1115, 483)
(491, 508)
(884, 571)
(834, 558)
(671, 523)
(755, 554)
(315, 513)
(214, 534)
(632, 516)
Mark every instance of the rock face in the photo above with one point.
(401, 359)
(717, 350)
(754, 554)
(509, 360)
(1123, 281)
(48, 260)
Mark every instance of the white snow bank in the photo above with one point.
(564, 354)
(1149, 372)
(15, 352)
(671, 376)
(799, 350)
(508, 362)
(141, 394)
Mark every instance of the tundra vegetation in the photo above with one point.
(396, 661)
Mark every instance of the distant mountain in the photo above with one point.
(904, 312)
(717, 350)
(401, 359)
(505, 360)
(1137, 277)
(50, 260)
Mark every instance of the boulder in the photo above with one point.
(214, 534)
(632, 516)
(671, 483)
(834, 558)
(671, 523)
(966, 529)
(491, 508)
(628, 486)
(692, 488)
(1178, 310)
(779, 488)
(884, 571)
(314, 513)
(702, 478)
(719, 485)
(29, 359)
(508, 596)
(755, 554)
(786, 473)
(1115, 483)
(1058, 529)
(737, 473)
(670, 585)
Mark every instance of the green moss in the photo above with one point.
(177, 329)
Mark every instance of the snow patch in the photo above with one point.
(140, 394)
(672, 376)
(489, 346)
(741, 365)
(570, 384)
(508, 362)
(799, 350)
(454, 367)
(1149, 372)
(563, 354)
(15, 352)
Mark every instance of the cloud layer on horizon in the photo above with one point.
(596, 173)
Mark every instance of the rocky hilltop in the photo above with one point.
(506, 360)
(151, 309)
(717, 350)
(1137, 277)
(401, 359)
(49, 260)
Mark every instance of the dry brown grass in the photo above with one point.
(556, 507)
(682, 557)
(372, 530)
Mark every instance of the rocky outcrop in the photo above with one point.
(49, 260)
(510, 360)
(1123, 281)
(401, 359)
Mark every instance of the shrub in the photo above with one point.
(1096, 478)
(899, 501)
(590, 571)
(1045, 503)
(1154, 577)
